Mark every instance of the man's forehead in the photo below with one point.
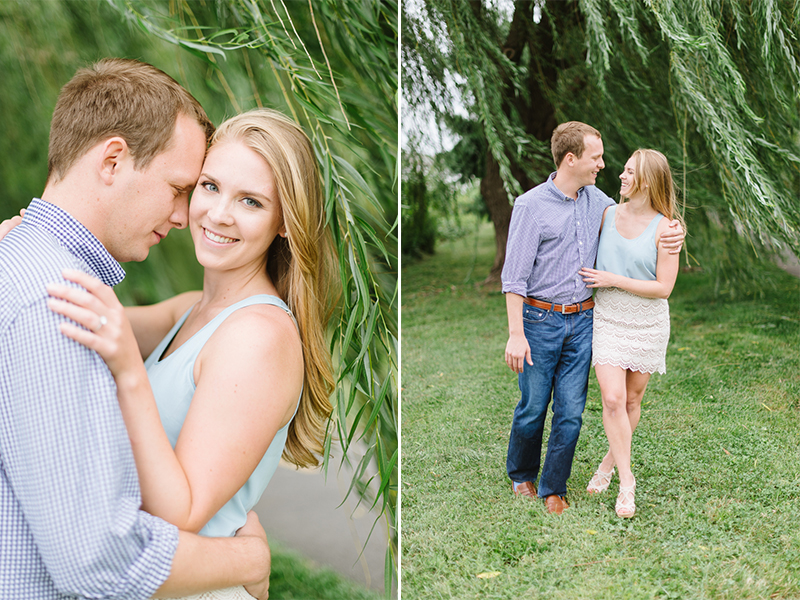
(594, 144)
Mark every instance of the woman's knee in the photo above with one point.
(614, 402)
(634, 400)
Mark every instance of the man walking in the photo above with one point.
(127, 144)
(554, 232)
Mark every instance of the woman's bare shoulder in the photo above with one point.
(261, 327)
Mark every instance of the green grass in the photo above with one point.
(716, 454)
(295, 577)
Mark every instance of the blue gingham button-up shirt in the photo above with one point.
(550, 238)
(70, 524)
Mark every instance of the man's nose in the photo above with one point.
(180, 215)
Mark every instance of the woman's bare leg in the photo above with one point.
(635, 385)
(613, 390)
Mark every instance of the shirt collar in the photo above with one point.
(75, 238)
(557, 192)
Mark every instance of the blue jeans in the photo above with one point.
(561, 350)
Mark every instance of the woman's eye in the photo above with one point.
(210, 187)
(252, 203)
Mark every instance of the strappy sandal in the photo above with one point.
(626, 501)
(599, 481)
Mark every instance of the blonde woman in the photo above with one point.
(634, 277)
(238, 374)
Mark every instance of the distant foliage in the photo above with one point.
(418, 222)
(713, 84)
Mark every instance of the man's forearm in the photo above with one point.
(202, 563)
(514, 308)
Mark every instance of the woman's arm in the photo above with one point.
(248, 378)
(661, 287)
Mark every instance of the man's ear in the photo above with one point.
(570, 158)
(112, 153)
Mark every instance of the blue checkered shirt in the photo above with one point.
(551, 237)
(70, 524)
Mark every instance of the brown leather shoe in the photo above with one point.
(555, 504)
(526, 488)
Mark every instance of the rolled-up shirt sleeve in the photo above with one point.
(67, 458)
(523, 243)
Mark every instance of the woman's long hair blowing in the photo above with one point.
(303, 266)
(654, 177)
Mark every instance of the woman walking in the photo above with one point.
(634, 277)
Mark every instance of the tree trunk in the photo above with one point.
(536, 111)
(496, 200)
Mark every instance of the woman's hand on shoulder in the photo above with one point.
(9, 224)
(104, 327)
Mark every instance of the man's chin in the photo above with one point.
(135, 256)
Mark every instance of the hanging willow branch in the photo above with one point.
(714, 84)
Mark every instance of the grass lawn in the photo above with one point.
(716, 455)
(295, 577)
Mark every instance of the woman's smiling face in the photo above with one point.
(628, 179)
(235, 213)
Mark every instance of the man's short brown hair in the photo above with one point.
(568, 137)
(118, 97)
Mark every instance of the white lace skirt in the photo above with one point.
(232, 593)
(630, 331)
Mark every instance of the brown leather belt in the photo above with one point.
(564, 309)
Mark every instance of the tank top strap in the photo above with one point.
(250, 301)
(650, 231)
(198, 340)
(609, 220)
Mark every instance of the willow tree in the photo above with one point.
(332, 66)
(715, 85)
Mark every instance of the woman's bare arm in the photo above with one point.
(248, 378)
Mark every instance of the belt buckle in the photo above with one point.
(563, 309)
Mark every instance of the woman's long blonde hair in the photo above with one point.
(302, 266)
(653, 176)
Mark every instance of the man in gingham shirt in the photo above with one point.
(126, 147)
(554, 232)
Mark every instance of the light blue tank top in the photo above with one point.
(634, 258)
(172, 380)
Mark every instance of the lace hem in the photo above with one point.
(630, 332)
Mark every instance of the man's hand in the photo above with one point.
(9, 224)
(518, 351)
(252, 527)
(673, 240)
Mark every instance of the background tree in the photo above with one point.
(330, 65)
(712, 84)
